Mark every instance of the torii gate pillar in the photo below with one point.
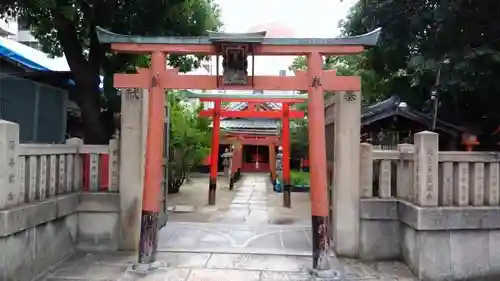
(285, 143)
(318, 190)
(153, 165)
(214, 156)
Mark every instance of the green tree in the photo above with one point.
(372, 85)
(417, 36)
(299, 138)
(189, 140)
(68, 27)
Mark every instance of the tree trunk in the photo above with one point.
(88, 100)
(86, 75)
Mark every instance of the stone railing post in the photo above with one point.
(426, 168)
(114, 158)
(11, 190)
(366, 170)
(77, 181)
(404, 185)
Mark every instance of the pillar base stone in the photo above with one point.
(144, 268)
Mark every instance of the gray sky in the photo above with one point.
(310, 18)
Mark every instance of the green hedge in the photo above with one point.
(299, 178)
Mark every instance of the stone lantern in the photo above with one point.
(279, 170)
(226, 162)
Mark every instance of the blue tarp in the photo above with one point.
(32, 58)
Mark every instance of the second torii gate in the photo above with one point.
(235, 50)
(285, 114)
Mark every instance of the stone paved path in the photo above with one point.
(117, 266)
(249, 205)
(236, 238)
(243, 228)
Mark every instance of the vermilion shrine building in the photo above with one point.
(258, 136)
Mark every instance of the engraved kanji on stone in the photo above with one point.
(349, 97)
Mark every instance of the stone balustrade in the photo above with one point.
(37, 172)
(428, 177)
(52, 202)
(436, 210)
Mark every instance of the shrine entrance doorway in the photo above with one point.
(235, 49)
(255, 159)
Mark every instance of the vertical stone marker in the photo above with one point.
(9, 142)
(426, 168)
(346, 188)
(131, 166)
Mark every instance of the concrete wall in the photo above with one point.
(437, 243)
(34, 237)
(98, 221)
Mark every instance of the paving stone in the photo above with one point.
(296, 240)
(269, 241)
(89, 270)
(241, 236)
(182, 260)
(223, 275)
(259, 262)
(284, 276)
(184, 209)
(162, 274)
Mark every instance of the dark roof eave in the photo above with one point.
(222, 37)
(369, 39)
(411, 114)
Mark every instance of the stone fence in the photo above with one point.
(438, 211)
(429, 177)
(51, 196)
(47, 170)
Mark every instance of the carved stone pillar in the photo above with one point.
(426, 168)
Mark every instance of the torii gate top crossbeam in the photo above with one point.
(266, 46)
(293, 98)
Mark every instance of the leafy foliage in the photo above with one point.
(299, 139)
(189, 140)
(418, 36)
(349, 66)
(298, 178)
(68, 27)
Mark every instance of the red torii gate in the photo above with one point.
(284, 114)
(235, 49)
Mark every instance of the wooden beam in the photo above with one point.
(170, 79)
(242, 136)
(258, 100)
(260, 50)
(251, 114)
(248, 141)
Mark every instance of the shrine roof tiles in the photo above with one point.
(240, 123)
(393, 106)
(368, 39)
